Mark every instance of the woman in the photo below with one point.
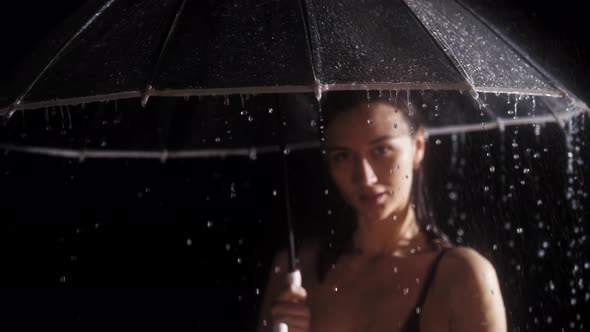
(389, 270)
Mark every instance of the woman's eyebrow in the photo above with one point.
(383, 138)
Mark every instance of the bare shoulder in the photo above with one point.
(465, 270)
(466, 260)
(473, 291)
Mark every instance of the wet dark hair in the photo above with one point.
(336, 237)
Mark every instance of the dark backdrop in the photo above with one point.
(102, 244)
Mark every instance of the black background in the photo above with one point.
(78, 254)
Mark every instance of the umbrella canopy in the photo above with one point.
(138, 49)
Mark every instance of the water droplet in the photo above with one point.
(250, 118)
(257, 291)
(519, 230)
(239, 260)
(62, 279)
(209, 224)
(453, 196)
(406, 291)
(492, 169)
(539, 202)
(217, 139)
(335, 289)
(526, 171)
(274, 192)
(270, 110)
(189, 242)
(369, 121)
(437, 142)
(486, 188)
(418, 310)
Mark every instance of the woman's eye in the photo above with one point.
(339, 156)
(382, 150)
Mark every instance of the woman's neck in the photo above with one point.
(389, 236)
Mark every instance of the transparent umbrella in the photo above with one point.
(108, 84)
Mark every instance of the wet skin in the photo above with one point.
(371, 155)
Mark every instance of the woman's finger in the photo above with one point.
(293, 294)
(290, 309)
(292, 322)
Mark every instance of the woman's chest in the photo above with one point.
(379, 296)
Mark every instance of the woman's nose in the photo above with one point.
(363, 172)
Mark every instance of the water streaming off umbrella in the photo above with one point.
(203, 230)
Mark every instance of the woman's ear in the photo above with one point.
(420, 145)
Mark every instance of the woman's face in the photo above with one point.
(371, 156)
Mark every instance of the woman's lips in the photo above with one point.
(373, 198)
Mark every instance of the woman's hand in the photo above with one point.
(290, 307)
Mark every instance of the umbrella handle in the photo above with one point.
(294, 279)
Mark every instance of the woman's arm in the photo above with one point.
(475, 299)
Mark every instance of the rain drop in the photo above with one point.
(437, 142)
(209, 224)
(189, 242)
(492, 169)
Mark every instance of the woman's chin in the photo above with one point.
(373, 215)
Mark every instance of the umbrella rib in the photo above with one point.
(444, 48)
(163, 51)
(305, 16)
(59, 53)
(254, 151)
(516, 49)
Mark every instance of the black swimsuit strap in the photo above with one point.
(413, 322)
(430, 278)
